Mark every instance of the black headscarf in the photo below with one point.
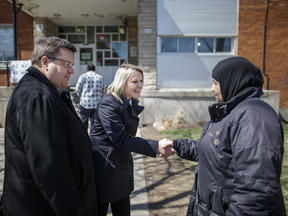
(235, 74)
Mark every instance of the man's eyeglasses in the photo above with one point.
(68, 63)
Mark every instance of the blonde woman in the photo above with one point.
(113, 140)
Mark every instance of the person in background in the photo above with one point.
(90, 87)
(48, 155)
(113, 140)
(240, 151)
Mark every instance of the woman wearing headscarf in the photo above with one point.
(240, 151)
(113, 139)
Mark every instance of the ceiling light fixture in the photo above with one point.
(84, 15)
(56, 16)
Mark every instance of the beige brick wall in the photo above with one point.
(147, 41)
(49, 28)
(132, 38)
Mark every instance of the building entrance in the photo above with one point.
(105, 46)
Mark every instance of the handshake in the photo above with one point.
(165, 148)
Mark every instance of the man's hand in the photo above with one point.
(164, 148)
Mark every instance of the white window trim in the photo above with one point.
(214, 53)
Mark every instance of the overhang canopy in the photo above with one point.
(80, 12)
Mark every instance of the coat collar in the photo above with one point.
(220, 110)
(136, 109)
(36, 73)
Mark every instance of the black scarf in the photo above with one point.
(236, 74)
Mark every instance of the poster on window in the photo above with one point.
(18, 69)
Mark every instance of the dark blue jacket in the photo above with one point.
(113, 140)
(239, 159)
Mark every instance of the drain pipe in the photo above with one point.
(264, 47)
(15, 25)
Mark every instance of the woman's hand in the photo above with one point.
(164, 148)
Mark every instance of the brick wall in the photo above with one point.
(3, 78)
(252, 15)
(147, 41)
(5, 12)
(24, 33)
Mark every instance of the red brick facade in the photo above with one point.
(252, 14)
(24, 32)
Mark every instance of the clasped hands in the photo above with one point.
(165, 148)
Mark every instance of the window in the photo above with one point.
(123, 35)
(169, 45)
(99, 29)
(111, 46)
(66, 29)
(76, 39)
(119, 50)
(110, 42)
(186, 44)
(6, 43)
(111, 62)
(99, 58)
(80, 29)
(86, 56)
(103, 41)
(110, 29)
(223, 44)
(205, 44)
(90, 34)
(196, 44)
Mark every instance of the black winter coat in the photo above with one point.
(113, 140)
(48, 156)
(239, 159)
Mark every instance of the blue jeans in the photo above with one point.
(85, 115)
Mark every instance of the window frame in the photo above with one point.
(96, 33)
(196, 51)
(3, 50)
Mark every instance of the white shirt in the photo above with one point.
(90, 87)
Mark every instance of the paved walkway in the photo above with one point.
(2, 158)
(139, 200)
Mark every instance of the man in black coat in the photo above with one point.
(48, 157)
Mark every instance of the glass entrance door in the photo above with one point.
(105, 46)
(83, 57)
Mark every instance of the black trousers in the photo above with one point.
(119, 208)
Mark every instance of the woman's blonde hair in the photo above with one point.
(122, 74)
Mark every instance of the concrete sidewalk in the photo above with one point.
(139, 200)
(2, 159)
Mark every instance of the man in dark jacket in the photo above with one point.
(48, 157)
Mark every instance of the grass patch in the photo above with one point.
(190, 133)
(195, 134)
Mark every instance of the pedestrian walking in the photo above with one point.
(90, 87)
